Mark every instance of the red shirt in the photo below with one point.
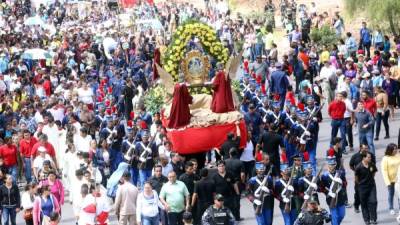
(370, 106)
(9, 155)
(49, 148)
(26, 146)
(336, 110)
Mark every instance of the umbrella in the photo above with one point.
(36, 53)
(35, 20)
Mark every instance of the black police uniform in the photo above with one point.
(309, 217)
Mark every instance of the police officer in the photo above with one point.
(284, 193)
(313, 215)
(261, 188)
(333, 185)
(218, 214)
(365, 173)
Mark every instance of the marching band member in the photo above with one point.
(261, 188)
(128, 149)
(147, 152)
(284, 192)
(333, 184)
(306, 182)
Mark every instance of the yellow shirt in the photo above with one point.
(324, 56)
(389, 166)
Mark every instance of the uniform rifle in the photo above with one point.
(310, 190)
(146, 151)
(260, 193)
(130, 153)
(288, 192)
(335, 187)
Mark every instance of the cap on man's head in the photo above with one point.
(331, 160)
(219, 197)
(260, 166)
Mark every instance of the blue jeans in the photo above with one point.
(265, 218)
(13, 170)
(367, 138)
(147, 220)
(259, 49)
(337, 214)
(391, 196)
(8, 215)
(134, 175)
(28, 169)
(313, 157)
(339, 125)
(144, 175)
(289, 217)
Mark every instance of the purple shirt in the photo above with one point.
(389, 87)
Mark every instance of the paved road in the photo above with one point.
(351, 217)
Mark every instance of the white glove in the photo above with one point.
(257, 202)
(257, 194)
(306, 197)
(331, 194)
(315, 119)
(307, 133)
(286, 200)
(148, 150)
(265, 189)
(302, 141)
(337, 180)
(265, 119)
(127, 158)
(313, 185)
(141, 159)
(290, 188)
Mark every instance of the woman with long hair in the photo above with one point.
(147, 205)
(44, 205)
(56, 186)
(389, 167)
(27, 200)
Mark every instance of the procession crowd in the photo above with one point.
(74, 128)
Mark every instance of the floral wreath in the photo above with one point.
(177, 49)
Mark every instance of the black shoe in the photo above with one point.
(240, 219)
(386, 137)
(376, 138)
(373, 222)
(356, 210)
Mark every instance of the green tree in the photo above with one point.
(324, 36)
(383, 13)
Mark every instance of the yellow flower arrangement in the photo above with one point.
(177, 49)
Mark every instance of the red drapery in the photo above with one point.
(180, 112)
(202, 139)
(222, 100)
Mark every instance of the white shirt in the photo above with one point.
(147, 206)
(82, 144)
(166, 169)
(349, 108)
(247, 154)
(86, 96)
(327, 72)
(26, 201)
(57, 113)
(38, 162)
